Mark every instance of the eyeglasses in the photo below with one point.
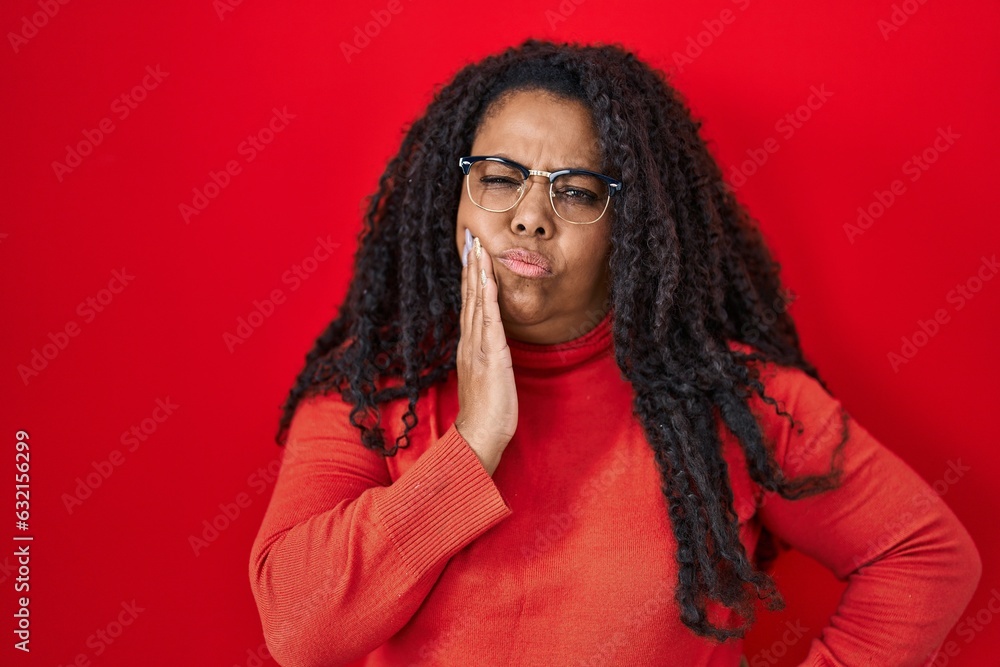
(497, 184)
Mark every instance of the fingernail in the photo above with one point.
(468, 237)
(479, 248)
(482, 276)
(465, 253)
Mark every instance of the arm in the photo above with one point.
(910, 565)
(345, 556)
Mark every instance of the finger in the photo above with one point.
(468, 295)
(494, 337)
(462, 324)
(465, 300)
(476, 329)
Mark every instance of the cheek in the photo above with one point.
(471, 217)
(481, 223)
(466, 217)
(462, 221)
(593, 253)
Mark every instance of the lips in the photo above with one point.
(519, 257)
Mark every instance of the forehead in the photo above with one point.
(540, 129)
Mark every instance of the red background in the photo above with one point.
(162, 336)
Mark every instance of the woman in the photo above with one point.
(576, 436)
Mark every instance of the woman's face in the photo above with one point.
(541, 131)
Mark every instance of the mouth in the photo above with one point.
(525, 263)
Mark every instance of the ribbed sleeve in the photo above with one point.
(910, 565)
(446, 500)
(345, 556)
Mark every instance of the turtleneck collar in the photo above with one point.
(568, 353)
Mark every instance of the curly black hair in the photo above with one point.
(690, 273)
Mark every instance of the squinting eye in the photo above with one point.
(499, 180)
(579, 194)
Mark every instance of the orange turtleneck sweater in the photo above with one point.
(565, 556)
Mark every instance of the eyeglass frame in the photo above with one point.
(465, 163)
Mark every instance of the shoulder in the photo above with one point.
(332, 415)
(322, 415)
(796, 414)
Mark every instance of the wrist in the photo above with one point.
(488, 460)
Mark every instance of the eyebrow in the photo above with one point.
(512, 159)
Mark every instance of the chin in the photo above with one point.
(523, 311)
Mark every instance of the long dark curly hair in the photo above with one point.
(689, 271)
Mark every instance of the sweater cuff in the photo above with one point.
(442, 503)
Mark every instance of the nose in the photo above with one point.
(534, 213)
